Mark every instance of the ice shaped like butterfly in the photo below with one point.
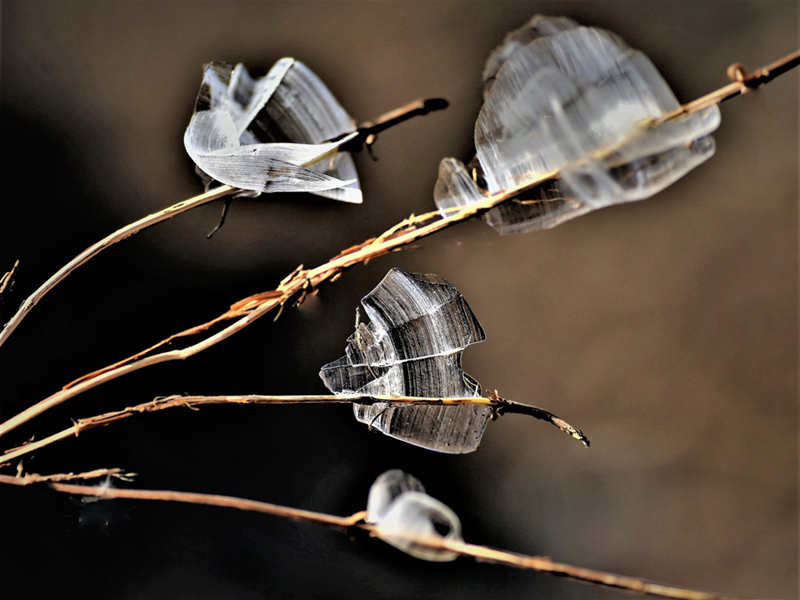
(272, 134)
(404, 515)
(577, 99)
(419, 326)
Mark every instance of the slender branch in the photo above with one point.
(742, 82)
(501, 406)
(32, 478)
(507, 406)
(7, 280)
(356, 522)
(251, 309)
(300, 281)
(542, 563)
(106, 492)
(110, 240)
(366, 134)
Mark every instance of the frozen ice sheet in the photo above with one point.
(561, 96)
(403, 514)
(272, 134)
(419, 326)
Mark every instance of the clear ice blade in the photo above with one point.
(404, 516)
(387, 487)
(271, 134)
(419, 326)
(561, 96)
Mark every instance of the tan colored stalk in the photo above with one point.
(110, 240)
(365, 135)
(31, 478)
(301, 280)
(356, 522)
(500, 406)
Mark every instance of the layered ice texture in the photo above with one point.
(419, 326)
(277, 133)
(578, 100)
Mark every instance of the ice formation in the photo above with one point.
(278, 133)
(577, 99)
(419, 326)
(404, 515)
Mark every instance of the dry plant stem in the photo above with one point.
(7, 280)
(742, 83)
(541, 563)
(250, 309)
(356, 521)
(115, 237)
(32, 478)
(300, 281)
(107, 492)
(501, 405)
(367, 133)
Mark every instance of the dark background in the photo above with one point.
(665, 329)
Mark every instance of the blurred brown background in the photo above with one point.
(665, 329)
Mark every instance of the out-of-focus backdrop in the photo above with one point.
(665, 329)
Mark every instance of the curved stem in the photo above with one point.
(501, 406)
(544, 564)
(7, 280)
(507, 406)
(110, 240)
(251, 309)
(356, 521)
(23, 480)
(366, 134)
(106, 492)
(395, 238)
(741, 84)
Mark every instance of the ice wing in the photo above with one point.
(419, 326)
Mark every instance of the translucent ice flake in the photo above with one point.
(419, 325)
(272, 134)
(406, 517)
(385, 491)
(577, 99)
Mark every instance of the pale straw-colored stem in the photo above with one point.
(365, 134)
(356, 522)
(110, 240)
(544, 564)
(501, 406)
(406, 232)
(31, 478)
(251, 309)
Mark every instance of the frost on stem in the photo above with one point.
(272, 134)
(578, 99)
(419, 325)
(405, 516)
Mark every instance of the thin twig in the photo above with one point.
(356, 522)
(742, 82)
(252, 308)
(366, 134)
(7, 280)
(110, 240)
(106, 492)
(505, 406)
(501, 406)
(32, 478)
(544, 564)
